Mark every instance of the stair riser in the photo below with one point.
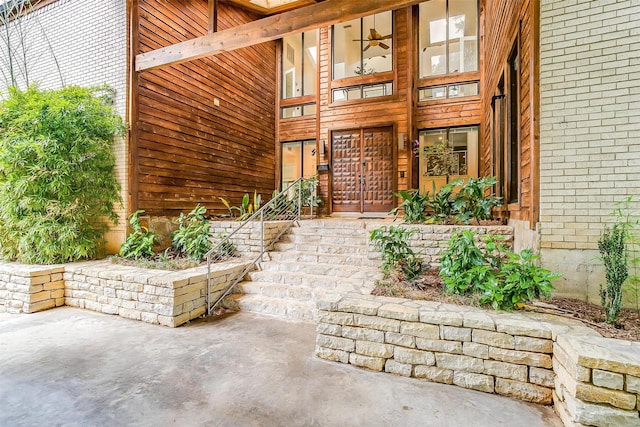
(296, 293)
(326, 240)
(333, 259)
(280, 309)
(328, 283)
(322, 249)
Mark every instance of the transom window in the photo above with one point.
(363, 46)
(448, 39)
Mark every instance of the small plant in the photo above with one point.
(397, 255)
(413, 205)
(471, 201)
(441, 205)
(614, 257)
(503, 279)
(193, 237)
(226, 250)
(247, 208)
(139, 243)
(308, 197)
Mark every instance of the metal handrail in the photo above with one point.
(280, 200)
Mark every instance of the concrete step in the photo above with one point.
(321, 269)
(320, 248)
(288, 292)
(348, 258)
(356, 283)
(326, 239)
(284, 309)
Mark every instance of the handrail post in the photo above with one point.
(208, 298)
(312, 197)
(262, 235)
(299, 199)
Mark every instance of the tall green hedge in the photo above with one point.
(58, 189)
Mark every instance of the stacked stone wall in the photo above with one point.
(248, 241)
(30, 288)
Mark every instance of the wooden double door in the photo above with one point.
(363, 170)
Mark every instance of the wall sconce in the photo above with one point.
(402, 142)
(323, 147)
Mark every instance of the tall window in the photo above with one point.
(513, 154)
(448, 38)
(363, 46)
(298, 161)
(299, 64)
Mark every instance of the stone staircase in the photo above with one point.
(317, 260)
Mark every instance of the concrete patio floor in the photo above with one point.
(78, 368)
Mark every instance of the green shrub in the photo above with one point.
(503, 279)
(139, 243)
(57, 183)
(471, 201)
(397, 255)
(413, 205)
(612, 247)
(193, 237)
(441, 204)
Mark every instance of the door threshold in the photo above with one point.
(358, 215)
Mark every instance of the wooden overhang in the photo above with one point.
(267, 29)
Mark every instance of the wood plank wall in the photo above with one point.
(187, 149)
(505, 23)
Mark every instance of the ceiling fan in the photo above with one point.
(374, 38)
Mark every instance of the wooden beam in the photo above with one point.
(213, 16)
(274, 27)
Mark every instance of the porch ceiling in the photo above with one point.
(270, 7)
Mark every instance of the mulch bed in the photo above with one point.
(429, 287)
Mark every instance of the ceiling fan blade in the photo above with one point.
(387, 37)
(372, 33)
(365, 49)
(384, 46)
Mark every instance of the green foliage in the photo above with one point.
(441, 204)
(309, 199)
(441, 160)
(139, 243)
(246, 208)
(614, 257)
(57, 183)
(413, 205)
(502, 278)
(397, 256)
(471, 201)
(226, 249)
(193, 237)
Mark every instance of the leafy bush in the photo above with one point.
(471, 201)
(309, 199)
(441, 204)
(614, 256)
(413, 205)
(139, 243)
(57, 183)
(397, 256)
(193, 237)
(503, 279)
(246, 208)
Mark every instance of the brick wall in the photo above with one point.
(589, 128)
(76, 42)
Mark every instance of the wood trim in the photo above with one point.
(449, 79)
(132, 103)
(278, 105)
(377, 99)
(411, 23)
(534, 82)
(266, 29)
(365, 80)
(300, 100)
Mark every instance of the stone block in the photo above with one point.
(149, 317)
(399, 312)
(607, 379)
(393, 367)
(378, 323)
(420, 330)
(181, 319)
(336, 343)
(109, 309)
(413, 357)
(523, 391)
(441, 318)
(454, 347)
(40, 296)
(34, 307)
(459, 363)
(506, 370)
(362, 334)
(633, 384)
(400, 339)
(329, 329)
(599, 415)
(480, 351)
(601, 353)
(576, 371)
(619, 399)
(493, 339)
(537, 345)
(454, 333)
(473, 381)
(522, 327)
(434, 374)
(374, 349)
(373, 363)
(332, 354)
(352, 305)
(165, 320)
(520, 357)
(130, 314)
(543, 377)
(335, 318)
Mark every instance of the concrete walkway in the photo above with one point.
(78, 368)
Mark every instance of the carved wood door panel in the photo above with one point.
(363, 167)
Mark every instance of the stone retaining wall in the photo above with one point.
(30, 288)
(248, 241)
(168, 298)
(532, 357)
